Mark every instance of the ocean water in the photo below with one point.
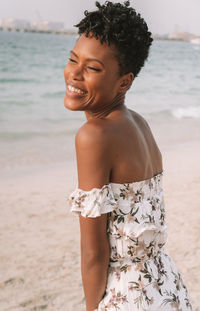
(35, 127)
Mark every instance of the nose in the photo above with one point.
(76, 73)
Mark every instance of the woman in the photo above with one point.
(119, 197)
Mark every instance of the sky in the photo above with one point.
(160, 15)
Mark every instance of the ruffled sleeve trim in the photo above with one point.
(92, 203)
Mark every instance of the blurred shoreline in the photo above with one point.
(20, 157)
(63, 32)
(45, 27)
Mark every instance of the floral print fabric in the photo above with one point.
(141, 274)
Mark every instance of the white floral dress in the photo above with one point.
(141, 275)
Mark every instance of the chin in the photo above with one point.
(71, 105)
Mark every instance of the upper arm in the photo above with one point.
(93, 165)
(93, 155)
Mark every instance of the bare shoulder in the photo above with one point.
(139, 118)
(94, 132)
(94, 154)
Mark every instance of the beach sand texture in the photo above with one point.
(40, 261)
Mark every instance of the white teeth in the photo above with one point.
(73, 89)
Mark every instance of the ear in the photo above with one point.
(125, 82)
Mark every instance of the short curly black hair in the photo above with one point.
(121, 25)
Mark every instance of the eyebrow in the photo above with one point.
(89, 59)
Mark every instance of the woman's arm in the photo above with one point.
(93, 163)
(94, 259)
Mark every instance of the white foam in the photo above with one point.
(186, 112)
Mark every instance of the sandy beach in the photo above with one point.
(40, 262)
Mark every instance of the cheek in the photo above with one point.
(106, 88)
(101, 84)
(66, 72)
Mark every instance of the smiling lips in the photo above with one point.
(75, 90)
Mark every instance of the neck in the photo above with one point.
(116, 104)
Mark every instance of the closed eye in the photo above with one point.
(93, 68)
(89, 67)
(72, 60)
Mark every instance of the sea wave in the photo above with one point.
(186, 112)
(178, 113)
(59, 94)
(9, 136)
(17, 80)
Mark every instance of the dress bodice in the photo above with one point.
(136, 225)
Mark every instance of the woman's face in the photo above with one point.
(91, 75)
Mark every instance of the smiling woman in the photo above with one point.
(93, 73)
(119, 198)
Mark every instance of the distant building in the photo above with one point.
(182, 36)
(160, 37)
(22, 24)
(12, 23)
(177, 28)
(195, 40)
(47, 26)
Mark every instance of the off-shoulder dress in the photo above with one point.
(141, 274)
